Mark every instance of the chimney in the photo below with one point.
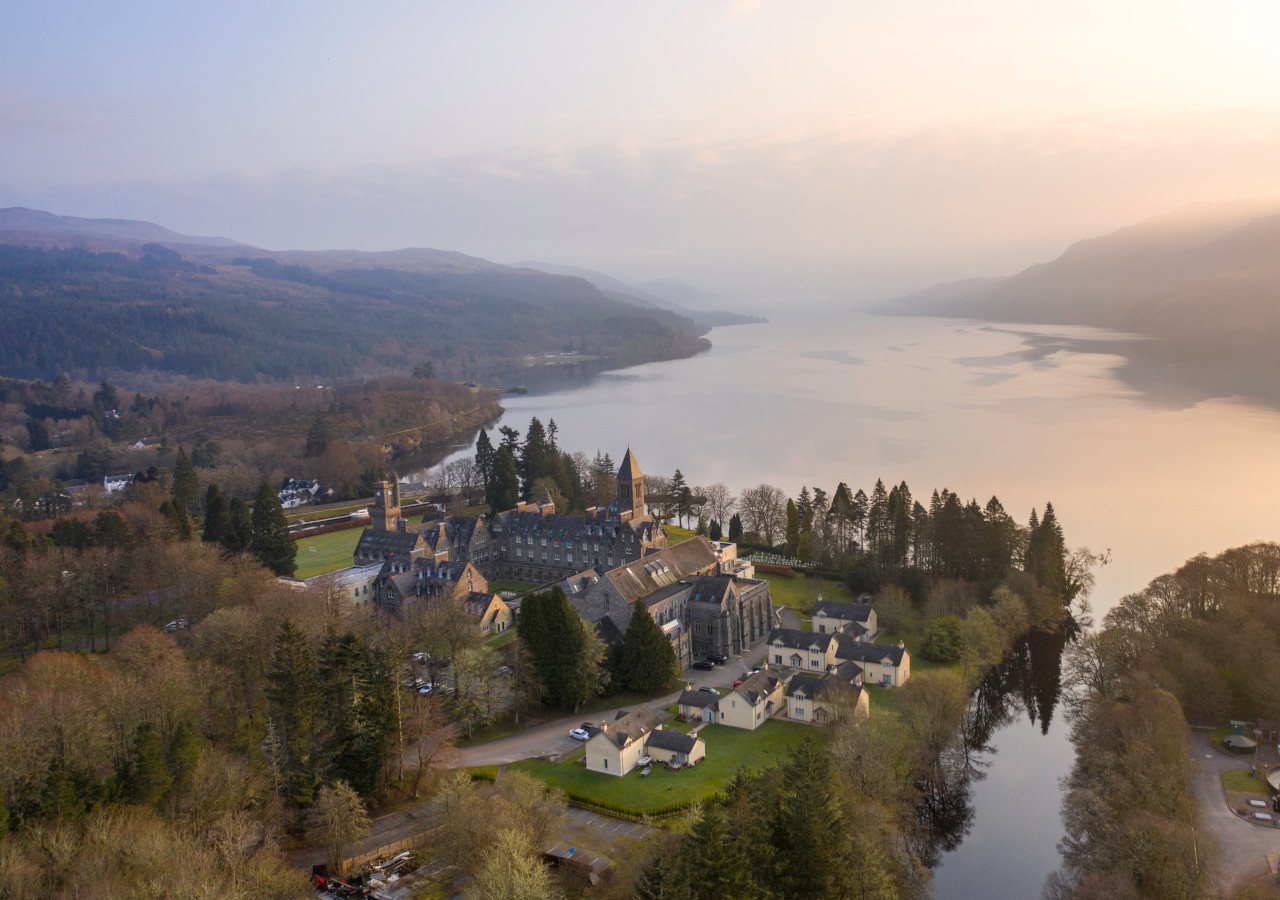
(901, 645)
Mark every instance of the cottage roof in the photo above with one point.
(836, 609)
(795, 637)
(861, 651)
(699, 699)
(820, 687)
(673, 741)
(631, 726)
(758, 686)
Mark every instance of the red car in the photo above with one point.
(738, 682)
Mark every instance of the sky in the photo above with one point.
(860, 146)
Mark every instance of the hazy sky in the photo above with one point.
(864, 142)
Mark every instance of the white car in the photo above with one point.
(580, 734)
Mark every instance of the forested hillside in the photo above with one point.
(89, 314)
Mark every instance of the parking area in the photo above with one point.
(610, 827)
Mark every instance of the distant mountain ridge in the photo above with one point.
(90, 297)
(1204, 281)
(664, 298)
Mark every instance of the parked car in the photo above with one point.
(718, 660)
(580, 734)
(503, 670)
(739, 681)
(591, 728)
(425, 689)
(705, 665)
(709, 690)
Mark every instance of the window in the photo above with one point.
(822, 629)
(815, 664)
(569, 557)
(777, 658)
(606, 763)
(800, 712)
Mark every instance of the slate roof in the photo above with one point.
(714, 589)
(637, 580)
(673, 741)
(836, 609)
(819, 687)
(861, 651)
(629, 466)
(699, 699)
(795, 637)
(758, 686)
(386, 543)
(631, 726)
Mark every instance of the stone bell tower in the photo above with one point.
(630, 488)
(385, 513)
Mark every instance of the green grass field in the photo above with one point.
(729, 750)
(676, 535)
(800, 591)
(501, 640)
(326, 552)
(1242, 781)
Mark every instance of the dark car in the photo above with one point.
(591, 728)
(718, 660)
(705, 665)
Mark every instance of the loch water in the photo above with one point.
(1027, 413)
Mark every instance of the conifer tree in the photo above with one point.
(146, 779)
(186, 484)
(271, 542)
(735, 528)
(793, 528)
(504, 490)
(648, 661)
(293, 695)
(239, 527)
(217, 516)
(484, 460)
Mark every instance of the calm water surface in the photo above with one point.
(1027, 413)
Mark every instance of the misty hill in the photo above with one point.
(630, 293)
(92, 297)
(1204, 280)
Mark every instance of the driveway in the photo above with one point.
(1242, 847)
(551, 739)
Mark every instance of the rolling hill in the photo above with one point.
(102, 297)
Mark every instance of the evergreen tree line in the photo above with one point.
(332, 714)
(573, 665)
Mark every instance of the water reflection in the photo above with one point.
(1027, 685)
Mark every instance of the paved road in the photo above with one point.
(1242, 847)
(551, 739)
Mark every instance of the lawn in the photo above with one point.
(677, 535)
(799, 591)
(326, 552)
(518, 587)
(1242, 781)
(501, 640)
(729, 750)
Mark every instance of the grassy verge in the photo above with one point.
(1242, 781)
(729, 750)
(501, 640)
(327, 552)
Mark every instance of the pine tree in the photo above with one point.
(735, 528)
(648, 661)
(239, 527)
(484, 460)
(182, 756)
(271, 542)
(293, 695)
(504, 490)
(186, 484)
(217, 516)
(713, 531)
(145, 778)
(317, 438)
(681, 496)
(793, 528)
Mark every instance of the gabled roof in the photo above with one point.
(819, 687)
(862, 651)
(795, 637)
(758, 686)
(836, 609)
(673, 741)
(631, 726)
(637, 580)
(699, 699)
